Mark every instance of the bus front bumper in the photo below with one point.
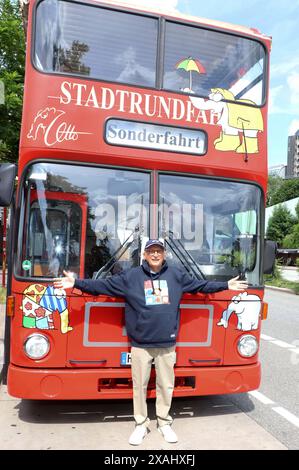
(96, 384)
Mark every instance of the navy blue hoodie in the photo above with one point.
(152, 300)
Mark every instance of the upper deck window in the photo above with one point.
(95, 42)
(198, 60)
(119, 46)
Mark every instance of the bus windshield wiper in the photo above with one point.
(115, 257)
(104, 271)
(183, 255)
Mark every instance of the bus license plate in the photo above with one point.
(125, 359)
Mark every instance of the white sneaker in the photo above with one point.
(168, 434)
(138, 435)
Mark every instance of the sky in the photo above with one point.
(275, 18)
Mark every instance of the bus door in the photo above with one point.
(51, 239)
(57, 234)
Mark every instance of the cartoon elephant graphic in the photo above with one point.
(247, 307)
(38, 305)
(235, 119)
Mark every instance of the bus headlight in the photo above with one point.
(36, 346)
(247, 345)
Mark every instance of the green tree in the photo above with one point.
(280, 224)
(292, 239)
(12, 65)
(288, 189)
(274, 183)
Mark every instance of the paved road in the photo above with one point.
(276, 406)
(290, 273)
(201, 423)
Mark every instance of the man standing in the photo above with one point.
(152, 292)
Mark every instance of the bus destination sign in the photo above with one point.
(155, 137)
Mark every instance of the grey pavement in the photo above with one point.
(212, 423)
(279, 355)
(290, 273)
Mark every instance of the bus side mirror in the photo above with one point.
(8, 173)
(270, 250)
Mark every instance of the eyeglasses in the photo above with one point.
(153, 251)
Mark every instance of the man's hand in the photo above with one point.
(66, 282)
(234, 284)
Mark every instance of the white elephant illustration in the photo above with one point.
(247, 307)
(235, 119)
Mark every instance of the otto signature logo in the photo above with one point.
(51, 124)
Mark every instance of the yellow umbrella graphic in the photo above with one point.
(191, 65)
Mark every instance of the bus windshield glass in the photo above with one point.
(81, 224)
(211, 227)
(119, 46)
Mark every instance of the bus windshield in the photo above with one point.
(135, 49)
(96, 224)
(77, 218)
(212, 225)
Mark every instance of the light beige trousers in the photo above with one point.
(141, 362)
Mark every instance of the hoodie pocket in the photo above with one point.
(156, 326)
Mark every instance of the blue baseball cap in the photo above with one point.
(153, 242)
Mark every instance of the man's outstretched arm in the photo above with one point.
(113, 286)
(195, 285)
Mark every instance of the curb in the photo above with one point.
(282, 289)
(288, 268)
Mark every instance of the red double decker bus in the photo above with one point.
(136, 125)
